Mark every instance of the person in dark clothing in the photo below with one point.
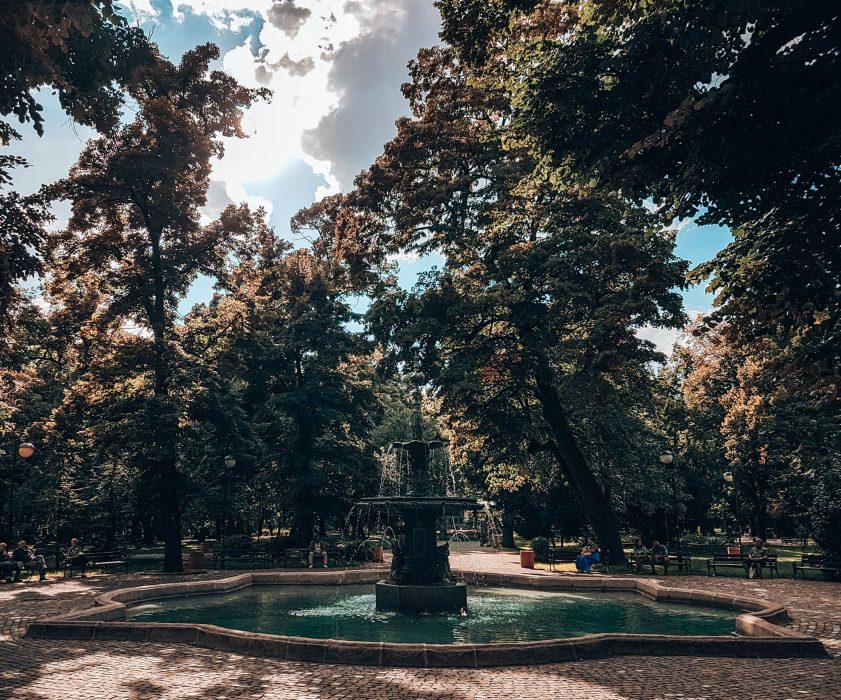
(7, 566)
(317, 550)
(75, 556)
(25, 556)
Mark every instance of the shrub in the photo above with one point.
(540, 546)
(238, 542)
(825, 511)
(275, 547)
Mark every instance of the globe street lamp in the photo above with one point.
(230, 463)
(24, 450)
(729, 478)
(667, 459)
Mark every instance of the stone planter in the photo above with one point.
(526, 558)
(377, 554)
(195, 560)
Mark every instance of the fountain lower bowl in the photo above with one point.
(760, 635)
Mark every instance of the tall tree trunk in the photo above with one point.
(507, 531)
(591, 497)
(167, 435)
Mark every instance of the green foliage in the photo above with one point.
(87, 54)
(540, 546)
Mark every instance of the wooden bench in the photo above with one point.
(234, 557)
(100, 559)
(681, 564)
(740, 561)
(817, 562)
(566, 556)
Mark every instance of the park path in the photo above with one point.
(49, 670)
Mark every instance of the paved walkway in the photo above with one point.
(69, 670)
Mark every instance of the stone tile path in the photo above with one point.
(67, 670)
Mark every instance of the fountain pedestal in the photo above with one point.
(429, 597)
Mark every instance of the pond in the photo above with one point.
(495, 615)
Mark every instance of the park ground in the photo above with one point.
(105, 670)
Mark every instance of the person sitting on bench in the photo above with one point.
(75, 557)
(7, 567)
(756, 558)
(589, 555)
(640, 555)
(659, 555)
(25, 556)
(317, 550)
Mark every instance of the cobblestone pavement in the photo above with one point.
(48, 670)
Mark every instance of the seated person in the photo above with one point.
(26, 558)
(589, 555)
(317, 550)
(640, 555)
(659, 555)
(756, 558)
(7, 566)
(75, 557)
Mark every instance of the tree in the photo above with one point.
(543, 285)
(300, 378)
(728, 111)
(86, 53)
(136, 194)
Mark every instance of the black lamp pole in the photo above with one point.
(730, 479)
(667, 458)
(24, 450)
(230, 463)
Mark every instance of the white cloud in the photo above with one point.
(140, 10)
(303, 45)
(663, 338)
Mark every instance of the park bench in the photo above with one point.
(239, 557)
(738, 561)
(681, 564)
(566, 556)
(99, 559)
(817, 562)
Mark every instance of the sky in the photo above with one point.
(335, 68)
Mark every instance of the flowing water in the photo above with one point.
(496, 615)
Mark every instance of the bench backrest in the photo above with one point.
(821, 560)
(105, 556)
(243, 552)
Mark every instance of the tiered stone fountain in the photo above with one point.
(420, 580)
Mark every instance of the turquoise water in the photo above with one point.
(495, 615)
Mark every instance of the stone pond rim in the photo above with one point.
(759, 625)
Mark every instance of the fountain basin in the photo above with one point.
(760, 635)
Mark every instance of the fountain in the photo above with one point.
(420, 579)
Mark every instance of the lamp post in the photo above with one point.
(24, 450)
(728, 478)
(230, 463)
(667, 459)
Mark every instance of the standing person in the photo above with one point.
(26, 557)
(756, 559)
(7, 566)
(317, 550)
(75, 556)
(659, 555)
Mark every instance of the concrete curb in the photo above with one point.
(762, 636)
